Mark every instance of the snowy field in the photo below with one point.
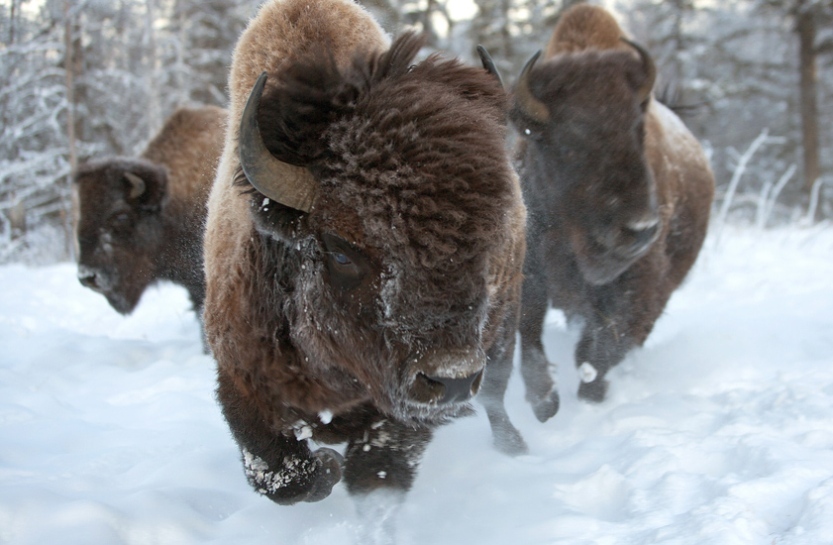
(719, 431)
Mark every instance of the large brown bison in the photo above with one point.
(363, 251)
(141, 219)
(619, 194)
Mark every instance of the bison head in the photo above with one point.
(119, 227)
(378, 254)
(583, 116)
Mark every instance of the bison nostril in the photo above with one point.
(445, 376)
(457, 390)
(426, 390)
(88, 280)
(646, 235)
(640, 234)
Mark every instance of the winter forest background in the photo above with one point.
(88, 78)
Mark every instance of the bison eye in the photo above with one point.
(120, 220)
(340, 259)
(346, 264)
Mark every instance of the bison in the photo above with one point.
(141, 219)
(619, 194)
(363, 252)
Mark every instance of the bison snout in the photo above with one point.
(452, 376)
(88, 278)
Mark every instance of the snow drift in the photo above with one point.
(719, 430)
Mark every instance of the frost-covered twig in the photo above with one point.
(809, 219)
(760, 212)
(769, 205)
(740, 169)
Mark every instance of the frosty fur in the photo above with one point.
(619, 194)
(416, 188)
(141, 219)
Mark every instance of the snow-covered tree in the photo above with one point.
(85, 78)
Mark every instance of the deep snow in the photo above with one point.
(718, 431)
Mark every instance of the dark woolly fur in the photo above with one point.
(313, 94)
(619, 194)
(374, 126)
(415, 187)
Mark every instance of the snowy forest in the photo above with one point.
(84, 79)
(717, 431)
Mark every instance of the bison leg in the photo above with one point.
(541, 388)
(507, 438)
(277, 465)
(621, 320)
(603, 344)
(380, 467)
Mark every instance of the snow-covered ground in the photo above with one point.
(718, 431)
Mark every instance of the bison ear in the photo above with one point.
(147, 189)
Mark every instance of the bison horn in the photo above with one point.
(650, 70)
(287, 184)
(137, 185)
(530, 105)
(489, 64)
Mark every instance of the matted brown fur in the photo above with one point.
(415, 187)
(598, 173)
(126, 241)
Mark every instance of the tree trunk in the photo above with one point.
(69, 70)
(806, 28)
(12, 13)
(154, 107)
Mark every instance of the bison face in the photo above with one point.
(405, 328)
(119, 228)
(377, 252)
(583, 117)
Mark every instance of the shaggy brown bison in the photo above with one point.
(141, 219)
(619, 194)
(363, 252)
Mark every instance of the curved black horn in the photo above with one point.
(530, 105)
(650, 70)
(488, 63)
(289, 185)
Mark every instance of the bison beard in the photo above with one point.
(363, 254)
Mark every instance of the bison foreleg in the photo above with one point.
(277, 465)
(380, 466)
(541, 388)
(507, 438)
(295, 474)
(384, 455)
(603, 344)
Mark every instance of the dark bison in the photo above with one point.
(619, 194)
(141, 219)
(363, 252)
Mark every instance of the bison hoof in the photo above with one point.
(509, 441)
(327, 475)
(546, 407)
(593, 391)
